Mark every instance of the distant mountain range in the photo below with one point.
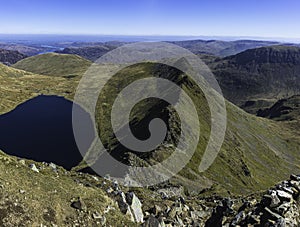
(222, 48)
(92, 51)
(252, 79)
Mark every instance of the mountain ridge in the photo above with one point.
(263, 76)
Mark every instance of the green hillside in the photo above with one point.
(53, 64)
(17, 86)
(6, 71)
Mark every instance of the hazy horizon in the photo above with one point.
(18, 37)
(216, 18)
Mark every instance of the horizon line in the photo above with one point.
(257, 38)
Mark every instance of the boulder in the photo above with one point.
(284, 195)
(135, 206)
(53, 167)
(275, 201)
(34, 168)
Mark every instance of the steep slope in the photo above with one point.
(52, 64)
(261, 76)
(10, 57)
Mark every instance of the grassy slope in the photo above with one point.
(252, 144)
(17, 86)
(6, 71)
(53, 64)
(32, 199)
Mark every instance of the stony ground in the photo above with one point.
(43, 194)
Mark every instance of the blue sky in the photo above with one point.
(262, 18)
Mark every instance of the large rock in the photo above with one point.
(135, 206)
(34, 168)
(124, 207)
(284, 195)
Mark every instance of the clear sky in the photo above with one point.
(262, 18)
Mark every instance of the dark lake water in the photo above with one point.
(41, 129)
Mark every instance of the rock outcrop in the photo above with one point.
(278, 207)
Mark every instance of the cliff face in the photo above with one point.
(9, 57)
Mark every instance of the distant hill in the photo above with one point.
(9, 57)
(256, 78)
(22, 48)
(90, 50)
(221, 48)
(91, 53)
(53, 64)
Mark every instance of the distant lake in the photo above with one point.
(41, 129)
